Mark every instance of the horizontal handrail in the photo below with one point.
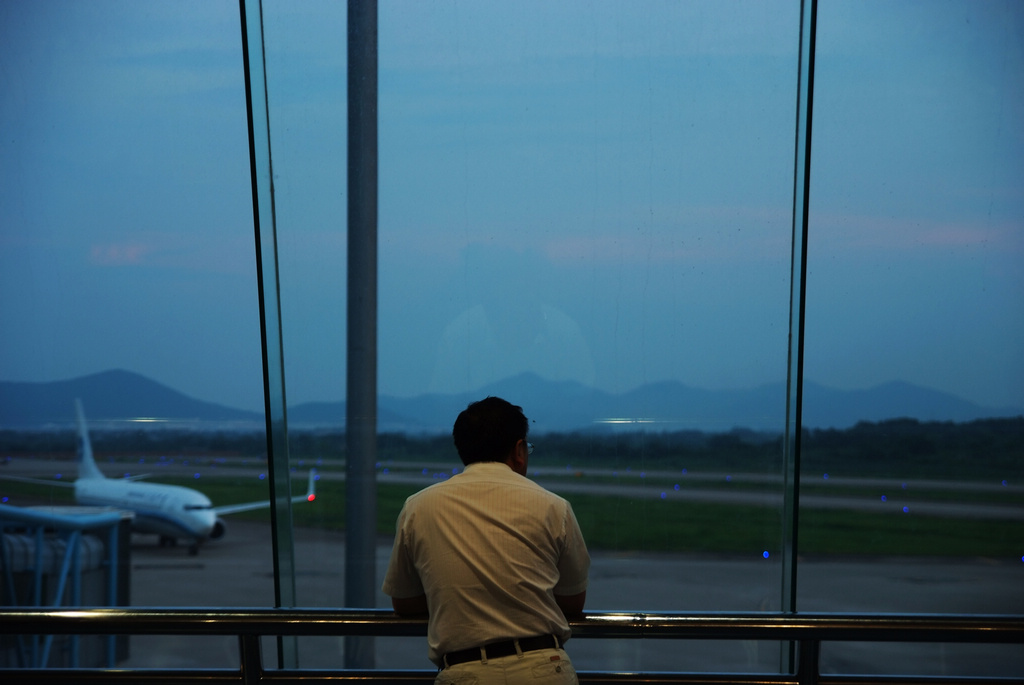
(973, 628)
(805, 630)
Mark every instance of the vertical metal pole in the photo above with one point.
(810, 656)
(798, 291)
(12, 596)
(76, 589)
(69, 565)
(252, 659)
(361, 364)
(112, 569)
(268, 284)
(37, 590)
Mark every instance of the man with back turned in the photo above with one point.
(496, 561)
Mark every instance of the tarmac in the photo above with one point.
(237, 571)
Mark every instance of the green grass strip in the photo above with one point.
(648, 525)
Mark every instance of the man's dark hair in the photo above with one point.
(488, 430)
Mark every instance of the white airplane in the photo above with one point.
(170, 511)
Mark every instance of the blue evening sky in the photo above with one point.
(594, 191)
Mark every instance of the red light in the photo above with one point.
(311, 498)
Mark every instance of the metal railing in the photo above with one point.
(806, 631)
(57, 559)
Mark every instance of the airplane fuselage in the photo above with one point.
(170, 511)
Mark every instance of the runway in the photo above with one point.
(238, 571)
(887, 495)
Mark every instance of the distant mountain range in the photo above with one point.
(114, 397)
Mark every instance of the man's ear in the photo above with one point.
(517, 459)
(518, 462)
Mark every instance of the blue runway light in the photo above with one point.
(825, 476)
(765, 554)
(676, 488)
(906, 510)
(59, 476)
(884, 498)
(385, 470)
(684, 472)
(424, 472)
(263, 476)
(663, 495)
(196, 476)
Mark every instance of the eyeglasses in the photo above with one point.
(529, 448)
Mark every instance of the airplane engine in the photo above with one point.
(218, 530)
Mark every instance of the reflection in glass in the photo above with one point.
(586, 209)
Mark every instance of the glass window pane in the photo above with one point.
(595, 223)
(586, 209)
(911, 493)
(127, 280)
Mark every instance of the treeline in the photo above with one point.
(139, 442)
(978, 449)
(897, 448)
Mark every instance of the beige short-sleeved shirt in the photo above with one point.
(489, 548)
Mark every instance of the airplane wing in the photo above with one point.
(262, 504)
(40, 481)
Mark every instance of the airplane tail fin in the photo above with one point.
(311, 488)
(86, 464)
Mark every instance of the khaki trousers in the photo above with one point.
(541, 667)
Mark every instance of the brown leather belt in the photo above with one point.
(495, 650)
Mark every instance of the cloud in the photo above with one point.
(119, 254)
(214, 252)
(844, 232)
